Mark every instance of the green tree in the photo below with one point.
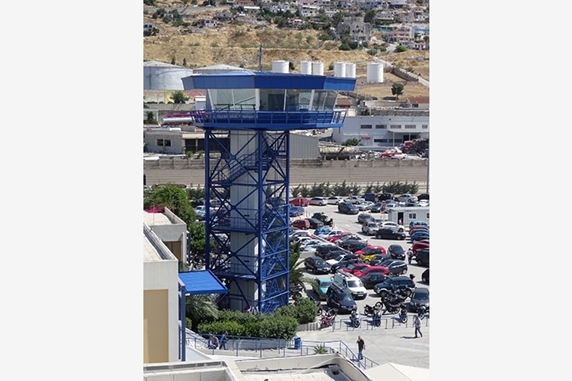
(400, 49)
(179, 96)
(170, 196)
(369, 16)
(201, 308)
(351, 142)
(397, 90)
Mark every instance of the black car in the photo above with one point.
(322, 250)
(347, 208)
(385, 196)
(341, 299)
(344, 263)
(376, 208)
(423, 196)
(387, 233)
(353, 245)
(425, 276)
(398, 282)
(317, 265)
(315, 223)
(420, 297)
(371, 279)
(335, 253)
(396, 252)
(394, 266)
(422, 257)
(364, 217)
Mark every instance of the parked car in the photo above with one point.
(336, 237)
(314, 223)
(363, 206)
(419, 245)
(334, 200)
(425, 276)
(422, 257)
(396, 252)
(369, 227)
(419, 235)
(407, 197)
(362, 218)
(317, 265)
(423, 203)
(371, 269)
(393, 225)
(394, 266)
(300, 233)
(321, 287)
(352, 282)
(311, 244)
(355, 199)
(376, 208)
(334, 253)
(398, 282)
(371, 279)
(386, 233)
(300, 201)
(370, 251)
(353, 267)
(417, 228)
(296, 211)
(353, 245)
(320, 201)
(347, 208)
(341, 299)
(390, 204)
(301, 224)
(347, 261)
(423, 196)
(385, 196)
(420, 297)
(325, 248)
(322, 231)
(418, 222)
(336, 257)
(347, 237)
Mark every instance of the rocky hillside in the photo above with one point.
(238, 45)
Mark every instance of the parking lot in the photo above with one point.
(389, 342)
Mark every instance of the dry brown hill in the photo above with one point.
(238, 45)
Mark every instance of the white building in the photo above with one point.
(387, 130)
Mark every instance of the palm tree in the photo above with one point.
(201, 308)
(297, 276)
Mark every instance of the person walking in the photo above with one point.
(361, 347)
(409, 255)
(417, 325)
(222, 344)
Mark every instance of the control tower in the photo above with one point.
(247, 121)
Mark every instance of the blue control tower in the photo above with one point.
(247, 122)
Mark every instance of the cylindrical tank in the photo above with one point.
(305, 67)
(162, 76)
(339, 69)
(317, 68)
(374, 72)
(350, 69)
(280, 66)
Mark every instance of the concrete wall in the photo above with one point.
(181, 170)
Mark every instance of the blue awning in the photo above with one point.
(202, 282)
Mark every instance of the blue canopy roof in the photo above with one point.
(267, 80)
(202, 282)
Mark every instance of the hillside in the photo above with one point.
(238, 45)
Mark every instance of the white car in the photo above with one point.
(309, 245)
(393, 226)
(355, 199)
(407, 197)
(321, 201)
(352, 282)
(334, 200)
(424, 203)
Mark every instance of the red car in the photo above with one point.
(352, 268)
(371, 250)
(335, 238)
(371, 269)
(301, 224)
(300, 201)
(420, 245)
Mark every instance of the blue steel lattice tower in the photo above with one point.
(247, 122)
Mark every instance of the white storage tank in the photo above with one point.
(339, 69)
(280, 66)
(350, 69)
(305, 67)
(317, 68)
(162, 76)
(374, 72)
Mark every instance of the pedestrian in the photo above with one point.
(417, 324)
(409, 255)
(361, 347)
(223, 341)
(213, 342)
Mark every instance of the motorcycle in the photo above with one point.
(296, 292)
(376, 318)
(328, 318)
(422, 312)
(370, 310)
(392, 303)
(403, 315)
(354, 319)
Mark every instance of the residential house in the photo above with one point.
(359, 30)
(210, 23)
(401, 35)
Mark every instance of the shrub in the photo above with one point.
(279, 327)
(320, 349)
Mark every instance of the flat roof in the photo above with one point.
(154, 219)
(202, 282)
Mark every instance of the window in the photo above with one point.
(380, 126)
(395, 126)
(424, 126)
(412, 216)
(365, 126)
(159, 142)
(410, 126)
(167, 142)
